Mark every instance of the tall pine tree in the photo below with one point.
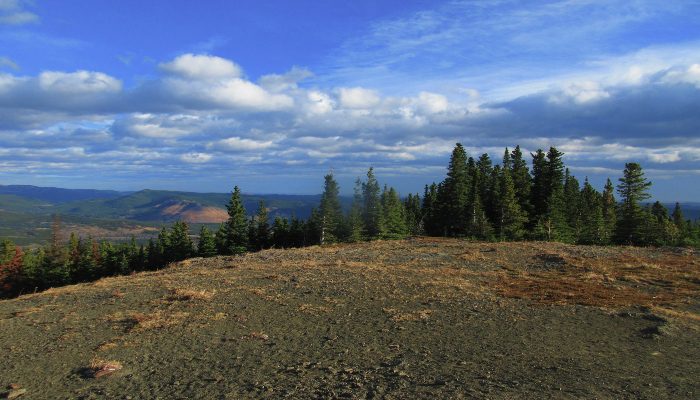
(633, 189)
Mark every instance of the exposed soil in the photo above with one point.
(420, 318)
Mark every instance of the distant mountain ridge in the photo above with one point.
(146, 205)
(58, 195)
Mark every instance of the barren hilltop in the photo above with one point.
(417, 318)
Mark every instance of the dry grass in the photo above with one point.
(189, 294)
(131, 321)
(99, 368)
(625, 277)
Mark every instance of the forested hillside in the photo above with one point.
(478, 199)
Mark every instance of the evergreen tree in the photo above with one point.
(522, 181)
(163, 247)
(154, 257)
(678, 218)
(454, 198)
(394, 215)
(181, 246)
(296, 233)
(430, 212)
(235, 233)
(609, 209)
(330, 212)
(260, 225)
(511, 218)
(372, 210)
(412, 205)
(572, 204)
(632, 189)
(206, 246)
(479, 226)
(485, 186)
(553, 225)
(539, 193)
(280, 233)
(355, 224)
(591, 217)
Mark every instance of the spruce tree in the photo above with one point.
(206, 246)
(412, 204)
(429, 211)
(456, 187)
(355, 224)
(236, 227)
(591, 217)
(394, 215)
(633, 189)
(486, 185)
(181, 246)
(553, 223)
(372, 210)
(330, 212)
(280, 233)
(572, 204)
(511, 218)
(539, 193)
(609, 209)
(260, 228)
(522, 181)
(479, 226)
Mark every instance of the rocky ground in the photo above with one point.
(420, 318)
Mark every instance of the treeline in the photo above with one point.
(477, 199)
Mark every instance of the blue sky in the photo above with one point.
(204, 95)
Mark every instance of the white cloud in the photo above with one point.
(79, 82)
(214, 81)
(358, 98)
(202, 67)
(690, 75)
(12, 13)
(241, 144)
(432, 103)
(196, 158)
(581, 93)
(318, 102)
(279, 83)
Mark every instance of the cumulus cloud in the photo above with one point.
(202, 67)
(358, 98)
(79, 82)
(241, 144)
(202, 113)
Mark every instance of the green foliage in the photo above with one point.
(206, 245)
(455, 192)
(235, 229)
(259, 233)
(511, 218)
(632, 218)
(330, 213)
(592, 223)
(394, 215)
(372, 213)
(355, 223)
(412, 205)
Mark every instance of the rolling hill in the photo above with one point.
(425, 318)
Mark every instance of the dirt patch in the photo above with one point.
(420, 318)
